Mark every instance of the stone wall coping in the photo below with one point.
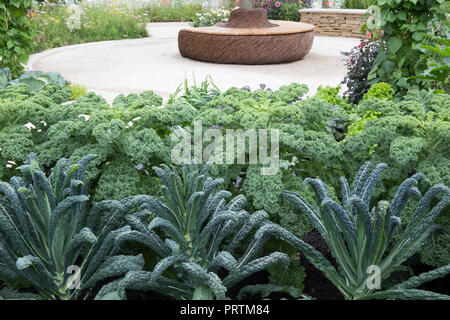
(342, 11)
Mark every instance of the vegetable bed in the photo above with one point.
(138, 229)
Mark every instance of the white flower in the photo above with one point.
(30, 126)
(85, 116)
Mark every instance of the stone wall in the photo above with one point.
(334, 22)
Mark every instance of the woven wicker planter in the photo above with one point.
(245, 49)
(248, 38)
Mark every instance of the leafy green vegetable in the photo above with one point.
(10, 294)
(49, 238)
(196, 233)
(332, 95)
(381, 90)
(362, 237)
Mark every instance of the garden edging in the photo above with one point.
(334, 22)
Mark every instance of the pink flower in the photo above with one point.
(269, 7)
(277, 4)
(237, 3)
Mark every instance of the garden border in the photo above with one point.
(335, 22)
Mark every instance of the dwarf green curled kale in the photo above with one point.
(365, 239)
(133, 134)
(305, 133)
(406, 135)
(134, 101)
(50, 239)
(202, 234)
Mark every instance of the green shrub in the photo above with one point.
(174, 11)
(289, 12)
(16, 42)
(437, 54)
(404, 25)
(209, 18)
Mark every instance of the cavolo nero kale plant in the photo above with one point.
(197, 235)
(363, 238)
(50, 240)
(410, 135)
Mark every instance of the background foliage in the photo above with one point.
(16, 42)
(404, 24)
(98, 22)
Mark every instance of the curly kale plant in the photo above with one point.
(49, 238)
(365, 239)
(307, 143)
(196, 233)
(381, 90)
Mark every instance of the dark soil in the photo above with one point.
(146, 295)
(441, 285)
(316, 284)
(319, 287)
